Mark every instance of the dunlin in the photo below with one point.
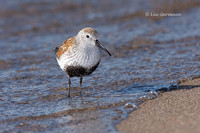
(80, 55)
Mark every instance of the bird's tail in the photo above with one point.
(56, 49)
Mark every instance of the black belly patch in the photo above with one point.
(78, 71)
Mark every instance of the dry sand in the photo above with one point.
(172, 112)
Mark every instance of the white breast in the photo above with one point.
(81, 56)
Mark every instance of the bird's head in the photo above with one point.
(89, 36)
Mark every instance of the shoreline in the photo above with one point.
(173, 111)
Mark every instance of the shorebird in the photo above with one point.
(80, 55)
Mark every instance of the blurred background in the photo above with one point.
(154, 43)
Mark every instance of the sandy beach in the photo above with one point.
(175, 112)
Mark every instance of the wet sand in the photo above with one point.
(175, 111)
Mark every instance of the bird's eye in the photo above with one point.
(87, 36)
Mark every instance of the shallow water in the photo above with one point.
(149, 53)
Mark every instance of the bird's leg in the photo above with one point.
(69, 83)
(81, 83)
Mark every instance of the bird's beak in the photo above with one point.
(102, 47)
